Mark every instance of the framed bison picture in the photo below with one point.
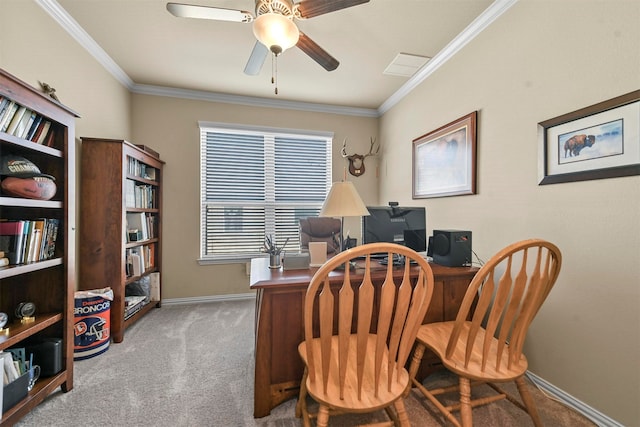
(599, 141)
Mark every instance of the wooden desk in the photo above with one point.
(279, 324)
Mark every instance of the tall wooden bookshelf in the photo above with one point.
(120, 182)
(48, 282)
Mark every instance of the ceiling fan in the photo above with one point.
(273, 26)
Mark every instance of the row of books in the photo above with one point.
(137, 168)
(25, 241)
(140, 225)
(139, 260)
(22, 122)
(139, 195)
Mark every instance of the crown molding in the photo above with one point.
(80, 35)
(497, 8)
(252, 101)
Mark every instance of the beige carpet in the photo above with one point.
(192, 365)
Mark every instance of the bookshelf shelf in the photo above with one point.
(43, 388)
(32, 146)
(130, 209)
(142, 180)
(140, 243)
(49, 283)
(132, 279)
(18, 331)
(17, 270)
(137, 315)
(111, 171)
(28, 203)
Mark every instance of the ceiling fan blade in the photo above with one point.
(317, 53)
(311, 8)
(205, 12)
(256, 60)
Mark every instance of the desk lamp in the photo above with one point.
(343, 200)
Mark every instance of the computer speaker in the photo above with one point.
(47, 352)
(451, 248)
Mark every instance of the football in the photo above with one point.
(40, 188)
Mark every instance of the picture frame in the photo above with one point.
(444, 160)
(596, 142)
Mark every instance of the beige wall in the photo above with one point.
(47, 53)
(170, 126)
(540, 60)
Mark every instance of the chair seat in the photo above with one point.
(351, 402)
(436, 336)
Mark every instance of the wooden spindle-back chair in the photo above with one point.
(359, 334)
(507, 292)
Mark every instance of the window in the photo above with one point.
(257, 182)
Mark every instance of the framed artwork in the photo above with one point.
(444, 160)
(596, 142)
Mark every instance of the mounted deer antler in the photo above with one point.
(356, 161)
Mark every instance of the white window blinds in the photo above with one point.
(258, 182)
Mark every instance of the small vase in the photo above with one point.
(274, 261)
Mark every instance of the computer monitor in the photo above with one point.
(396, 224)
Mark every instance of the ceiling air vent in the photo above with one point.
(405, 65)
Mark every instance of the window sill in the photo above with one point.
(229, 259)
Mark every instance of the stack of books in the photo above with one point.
(132, 305)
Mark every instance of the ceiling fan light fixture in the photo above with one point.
(276, 31)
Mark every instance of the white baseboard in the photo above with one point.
(214, 298)
(597, 417)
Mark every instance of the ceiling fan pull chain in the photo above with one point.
(274, 72)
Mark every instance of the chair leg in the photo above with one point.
(301, 406)
(323, 417)
(401, 413)
(528, 401)
(465, 402)
(418, 353)
(416, 359)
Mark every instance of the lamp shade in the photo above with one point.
(276, 31)
(343, 200)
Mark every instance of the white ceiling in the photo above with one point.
(155, 48)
